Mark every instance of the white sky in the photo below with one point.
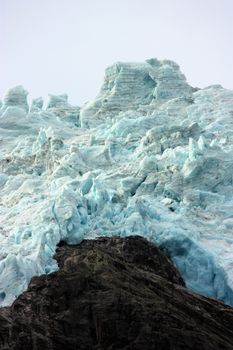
(57, 46)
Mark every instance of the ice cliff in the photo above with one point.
(150, 155)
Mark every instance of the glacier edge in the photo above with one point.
(150, 156)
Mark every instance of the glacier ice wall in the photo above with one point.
(150, 155)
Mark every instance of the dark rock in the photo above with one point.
(114, 293)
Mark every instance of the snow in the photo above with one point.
(150, 156)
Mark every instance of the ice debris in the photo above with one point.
(150, 156)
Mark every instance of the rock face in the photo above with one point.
(114, 293)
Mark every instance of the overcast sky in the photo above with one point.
(56, 46)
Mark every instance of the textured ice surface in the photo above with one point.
(150, 156)
(16, 97)
(37, 104)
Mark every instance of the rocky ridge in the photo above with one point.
(114, 293)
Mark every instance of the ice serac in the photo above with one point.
(58, 101)
(150, 156)
(59, 105)
(37, 104)
(130, 86)
(16, 97)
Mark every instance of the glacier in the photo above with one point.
(150, 156)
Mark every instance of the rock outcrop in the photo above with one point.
(114, 293)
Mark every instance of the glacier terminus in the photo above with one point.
(149, 156)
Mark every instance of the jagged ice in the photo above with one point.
(150, 156)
